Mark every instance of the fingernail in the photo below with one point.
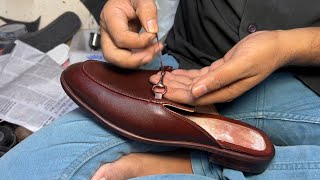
(199, 90)
(103, 178)
(152, 26)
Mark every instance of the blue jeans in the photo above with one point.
(74, 146)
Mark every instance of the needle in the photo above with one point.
(159, 54)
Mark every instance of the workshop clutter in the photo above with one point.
(34, 52)
(31, 63)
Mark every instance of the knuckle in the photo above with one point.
(148, 58)
(145, 42)
(107, 56)
(110, 56)
(169, 83)
(131, 64)
(217, 82)
(119, 41)
(146, 8)
(146, 4)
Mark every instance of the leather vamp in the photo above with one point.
(123, 101)
(137, 87)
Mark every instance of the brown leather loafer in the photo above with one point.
(123, 101)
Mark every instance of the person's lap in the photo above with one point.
(289, 113)
(281, 106)
(75, 146)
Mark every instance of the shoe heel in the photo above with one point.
(248, 165)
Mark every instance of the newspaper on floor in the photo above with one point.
(30, 91)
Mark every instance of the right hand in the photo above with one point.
(244, 66)
(121, 21)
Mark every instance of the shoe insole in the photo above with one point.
(224, 131)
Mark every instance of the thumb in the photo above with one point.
(146, 10)
(218, 78)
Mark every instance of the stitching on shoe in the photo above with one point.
(116, 91)
(151, 100)
(126, 94)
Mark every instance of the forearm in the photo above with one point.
(302, 46)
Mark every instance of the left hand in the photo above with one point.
(244, 66)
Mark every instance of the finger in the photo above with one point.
(115, 21)
(177, 85)
(217, 64)
(220, 77)
(227, 93)
(179, 78)
(170, 83)
(191, 73)
(100, 173)
(147, 12)
(178, 95)
(172, 77)
(152, 51)
(230, 53)
(195, 80)
(123, 57)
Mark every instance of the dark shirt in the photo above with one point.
(204, 30)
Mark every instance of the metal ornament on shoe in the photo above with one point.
(160, 89)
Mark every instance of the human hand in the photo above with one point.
(121, 42)
(244, 66)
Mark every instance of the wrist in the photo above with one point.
(288, 46)
(300, 46)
